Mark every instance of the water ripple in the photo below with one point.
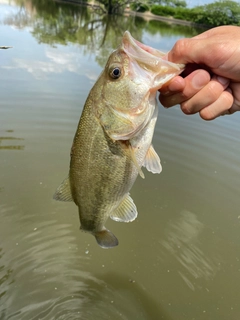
(36, 262)
(182, 240)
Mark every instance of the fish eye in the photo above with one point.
(115, 73)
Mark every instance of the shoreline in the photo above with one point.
(150, 16)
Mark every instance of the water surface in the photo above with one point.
(180, 259)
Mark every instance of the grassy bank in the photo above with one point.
(215, 14)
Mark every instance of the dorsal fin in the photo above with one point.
(63, 192)
(152, 161)
(126, 211)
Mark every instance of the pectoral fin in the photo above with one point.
(152, 161)
(63, 192)
(126, 211)
(134, 160)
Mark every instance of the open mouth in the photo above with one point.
(138, 50)
(151, 60)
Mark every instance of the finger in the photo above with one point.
(234, 88)
(187, 51)
(199, 51)
(206, 96)
(177, 84)
(234, 108)
(180, 90)
(219, 107)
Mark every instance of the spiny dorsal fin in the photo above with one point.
(126, 211)
(152, 161)
(63, 192)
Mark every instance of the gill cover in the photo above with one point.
(134, 73)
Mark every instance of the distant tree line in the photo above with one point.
(222, 12)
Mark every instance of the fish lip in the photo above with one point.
(143, 53)
(152, 60)
(133, 47)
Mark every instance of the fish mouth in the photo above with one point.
(138, 50)
(150, 59)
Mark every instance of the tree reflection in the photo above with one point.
(63, 23)
(10, 143)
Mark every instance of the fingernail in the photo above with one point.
(171, 87)
(222, 80)
(200, 80)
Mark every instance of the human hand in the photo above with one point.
(210, 83)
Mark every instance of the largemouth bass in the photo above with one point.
(113, 140)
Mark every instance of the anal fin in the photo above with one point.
(126, 211)
(152, 161)
(63, 192)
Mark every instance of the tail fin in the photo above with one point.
(106, 239)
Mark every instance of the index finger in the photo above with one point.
(187, 51)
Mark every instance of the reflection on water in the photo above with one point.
(59, 23)
(182, 241)
(6, 142)
(180, 259)
(49, 271)
(126, 299)
(38, 260)
(6, 274)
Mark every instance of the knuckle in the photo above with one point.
(214, 90)
(179, 46)
(228, 98)
(186, 108)
(222, 106)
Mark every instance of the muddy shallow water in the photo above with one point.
(180, 259)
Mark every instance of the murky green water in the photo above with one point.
(180, 259)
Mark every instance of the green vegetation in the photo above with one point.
(114, 6)
(163, 10)
(139, 6)
(219, 13)
(222, 12)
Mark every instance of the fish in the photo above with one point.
(113, 140)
